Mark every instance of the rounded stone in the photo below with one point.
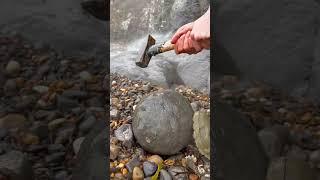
(162, 122)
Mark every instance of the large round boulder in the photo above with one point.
(162, 122)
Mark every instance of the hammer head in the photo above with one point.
(143, 58)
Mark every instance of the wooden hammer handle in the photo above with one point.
(166, 47)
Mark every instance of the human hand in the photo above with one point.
(201, 28)
(182, 30)
(187, 45)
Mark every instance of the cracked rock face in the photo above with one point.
(161, 115)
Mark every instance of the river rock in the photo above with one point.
(124, 133)
(161, 115)
(164, 175)
(114, 151)
(201, 132)
(16, 166)
(13, 68)
(178, 172)
(10, 87)
(137, 174)
(239, 146)
(92, 157)
(149, 168)
(282, 63)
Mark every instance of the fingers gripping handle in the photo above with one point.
(166, 47)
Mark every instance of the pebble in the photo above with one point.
(178, 172)
(77, 144)
(124, 133)
(149, 168)
(156, 159)
(114, 151)
(13, 68)
(137, 174)
(53, 148)
(55, 157)
(193, 177)
(133, 163)
(10, 87)
(29, 139)
(56, 123)
(85, 76)
(12, 121)
(40, 89)
(66, 104)
(114, 114)
(164, 175)
(74, 94)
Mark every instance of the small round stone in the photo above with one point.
(156, 159)
(137, 174)
(13, 68)
(149, 168)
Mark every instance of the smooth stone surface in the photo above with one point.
(159, 116)
(13, 121)
(149, 168)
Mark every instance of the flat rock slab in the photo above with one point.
(62, 24)
(238, 154)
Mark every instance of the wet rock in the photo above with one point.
(289, 169)
(114, 151)
(16, 166)
(137, 174)
(149, 168)
(13, 68)
(77, 144)
(178, 172)
(164, 175)
(160, 115)
(13, 121)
